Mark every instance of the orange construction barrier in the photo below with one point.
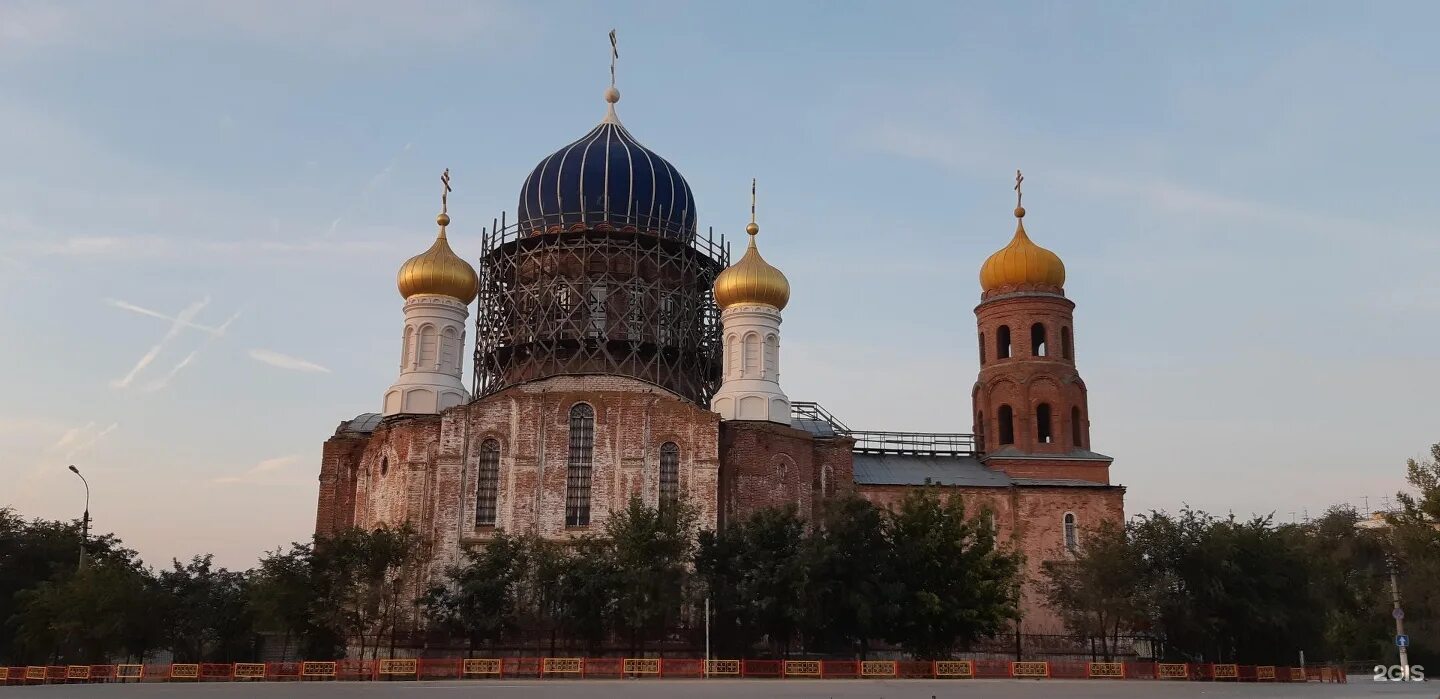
(761, 668)
(77, 672)
(1297, 674)
(483, 666)
(722, 667)
(129, 672)
(1173, 671)
(879, 668)
(1029, 668)
(1106, 670)
(800, 668)
(1225, 671)
(641, 666)
(184, 671)
(317, 668)
(248, 671)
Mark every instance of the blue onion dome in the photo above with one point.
(606, 180)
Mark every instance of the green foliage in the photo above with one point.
(853, 590)
(955, 584)
(756, 573)
(206, 612)
(1102, 591)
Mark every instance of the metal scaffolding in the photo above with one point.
(611, 297)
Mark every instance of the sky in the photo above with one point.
(203, 205)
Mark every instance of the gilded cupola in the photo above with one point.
(439, 271)
(1022, 263)
(752, 279)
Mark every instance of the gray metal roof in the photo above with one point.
(816, 427)
(916, 469)
(364, 423)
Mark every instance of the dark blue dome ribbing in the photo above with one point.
(607, 181)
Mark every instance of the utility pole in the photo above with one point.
(85, 519)
(1399, 615)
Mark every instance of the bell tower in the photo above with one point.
(1032, 417)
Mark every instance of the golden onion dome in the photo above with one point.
(439, 271)
(752, 280)
(1022, 263)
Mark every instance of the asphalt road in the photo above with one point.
(725, 689)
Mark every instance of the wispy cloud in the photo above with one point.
(260, 472)
(369, 188)
(215, 334)
(285, 361)
(177, 324)
(125, 305)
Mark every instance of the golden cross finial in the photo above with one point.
(445, 193)
(1018, 194)
(614, 55)
(752, 199)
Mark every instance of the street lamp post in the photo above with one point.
(85, 519)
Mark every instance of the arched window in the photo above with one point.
(982, 349)
(1038, 346)
(405, 351)
(1043, 434)
(1066, 350)
(980, 432)
(1077, 430)
(577, 475)
(487, 483)
(429, 348)
(1002, 342)
(384, 465)
(450, 351)
(827, 481)
(1007, 425)
(732, 356)
(752, 356)
(772, 357)
(595, 311)
(669, 474)
(1072, 535)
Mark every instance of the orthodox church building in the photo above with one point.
(618, 353)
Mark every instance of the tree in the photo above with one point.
(650, 550)
(103, 611)
(1415, 541)
(756, 574)
(852, 591)
(369, 579)
(954, 584)
(1102, 590)
(206, 612)
(482, 599)
(288, 594)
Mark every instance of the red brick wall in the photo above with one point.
(1029, 520)
(766, 464)
(339, 473)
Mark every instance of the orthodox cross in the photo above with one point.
(614, 54)
(445, 192)
(752, 199)
(1018, 194)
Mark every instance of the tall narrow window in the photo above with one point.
(1043, 434)
(1066, 350)
(752, 356)
(1002, 342)
(1007, 425)
(577, 478)
(561, 299)
(980, 432)
(1072, 536)
(1077, 430)
(982, 349)
(429, 348)
(487, 483)
(669, 474)
(1038, 347)
(669, 319)
(450, 351)
(772, 357)
(595, 311)
(732, 357)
